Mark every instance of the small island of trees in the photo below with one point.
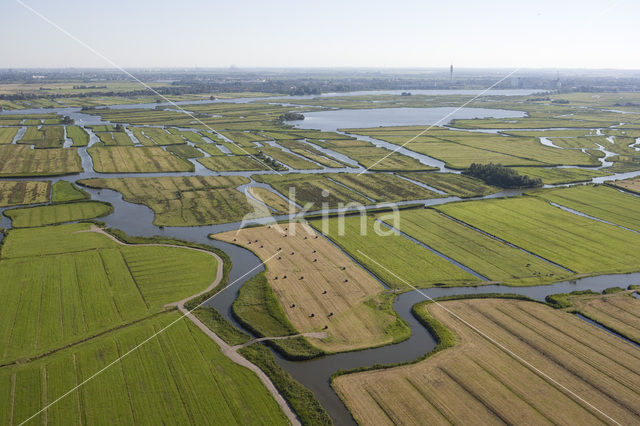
(499, 175)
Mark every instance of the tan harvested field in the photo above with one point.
(272, 199)
(20, 160)
(632, 185)
(476, 382)
(129, 159)
(619, 312)
(312, 265)
(16, 193)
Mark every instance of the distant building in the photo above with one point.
(451, 73)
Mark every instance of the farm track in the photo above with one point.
(230, 351)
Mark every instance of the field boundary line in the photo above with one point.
(137, 80)
(518, 358)
(185, 313)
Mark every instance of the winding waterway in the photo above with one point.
(135, 219)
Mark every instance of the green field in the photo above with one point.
(58, 213)
(600, 201)
(228, 163)
(66, 191)
(45, 137)
(312, 188)
(560, 176)
(115, 138)
(583, 245)
(381, 159)
(184, 201)
(210, 148)
(79, 136)
(20, 160)
(180, 377)
(185, 151)
(460, 148)
(61, 285)
(453, 184)
(392, 252)
(7, 134)
(129, 159)
(16, 193)
(293, 161)
(383, 187)
(487, 256)
(154, 136)
(318, 157)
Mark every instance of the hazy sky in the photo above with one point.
(324, 33)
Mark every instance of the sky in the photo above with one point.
(326, 33)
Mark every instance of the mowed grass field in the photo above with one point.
(7, 134)
(179, 377)
(61, 284)
(320, 288)
(600, 201)
(619, 312)
(57, 213)
(559, 176)
(383, 187)
(229, 163)
(461, 148)
(272, 199)
(129, 159)
(582, 245)
(487, 256)
(66, 191)
(316, 189)
(631, 185)
(79, 136)
(390, 256)
(16, 193)
(476, 382)
(453, 184)
(185, 201)
(20, 160)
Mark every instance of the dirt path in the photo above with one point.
(229, 351)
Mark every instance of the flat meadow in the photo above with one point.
(185, 201)
(130, 159)
(62, 284)
(179, 377)
(470, 380)
(583, 245)
(20, 160)
(57, 213)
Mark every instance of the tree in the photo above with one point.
(499, 175)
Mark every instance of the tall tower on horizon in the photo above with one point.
(451, 73)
